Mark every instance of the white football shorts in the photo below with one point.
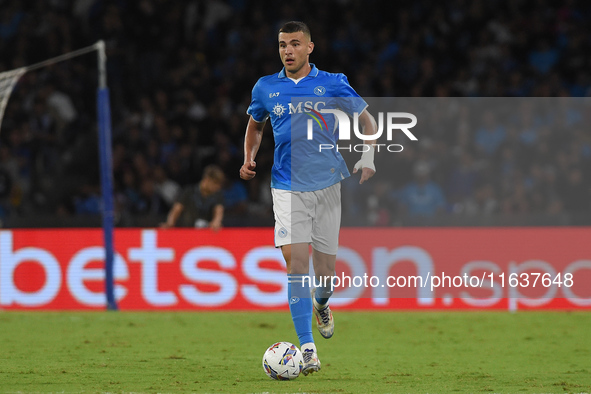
(308, 217)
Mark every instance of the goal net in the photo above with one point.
(9, 79)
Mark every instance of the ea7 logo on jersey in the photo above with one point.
(276, 94)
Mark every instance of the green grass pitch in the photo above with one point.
(211, 352)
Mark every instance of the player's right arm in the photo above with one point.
(252, 143)
(254, 130)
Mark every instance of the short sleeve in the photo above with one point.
(350, 101)
(256, 109)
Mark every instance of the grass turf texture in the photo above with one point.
(417, 352)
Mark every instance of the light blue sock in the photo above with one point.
(300, 306)
(324, 292)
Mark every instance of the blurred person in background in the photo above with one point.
(200, 205)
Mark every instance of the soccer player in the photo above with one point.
(305, 180)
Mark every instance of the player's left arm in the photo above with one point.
(366, 164)
(218, 216)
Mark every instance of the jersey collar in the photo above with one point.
(313, 72)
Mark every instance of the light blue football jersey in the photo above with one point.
(299, 163)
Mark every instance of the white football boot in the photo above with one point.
(324, 319)
(311, 361)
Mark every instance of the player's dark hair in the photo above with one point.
(294, 27)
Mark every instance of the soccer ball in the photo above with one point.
(283, 361)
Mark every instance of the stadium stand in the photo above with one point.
(181, 73)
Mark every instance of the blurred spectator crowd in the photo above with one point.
(180, 75)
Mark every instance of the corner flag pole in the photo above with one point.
(105, 155)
